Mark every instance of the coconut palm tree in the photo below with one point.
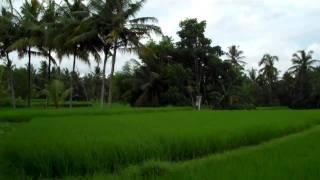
(8, 27)
(268, 75)
(118, 28)
(29, 35)
(102, 11)
(252, 74)
(50, 29)
(72, 40)
(127, 31)
(56, 92)
(235, 57)
(268, 71)
(302, 63)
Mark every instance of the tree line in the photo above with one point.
(181, 73)
(73, 29)
(175, 73)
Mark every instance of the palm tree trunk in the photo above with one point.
(71, 79)
(10, 82)
(106, 51)
(49, 67)
(84, 90)
(11, 6)
(29, 77)
(49, 74)
(114, 55)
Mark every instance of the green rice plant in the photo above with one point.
(23, 115)
(82, 145)
(295, 157)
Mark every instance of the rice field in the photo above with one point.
(160, 143)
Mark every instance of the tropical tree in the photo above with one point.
(268, 76)
(235, 57)
(50, 28)
(252, 74)
(196, 53)
(303, 65)
(117, 27)
(8, 34)
(268, 71)
(29, 35)
(56, 93)
(71, 23)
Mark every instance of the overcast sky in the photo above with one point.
(278, 27)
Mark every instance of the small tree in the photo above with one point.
(56, 93)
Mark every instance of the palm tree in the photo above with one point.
(73, 28)
(100, 23)
(302, 63)
(30, 35)
(127, 31)
(117, 27)
(269, 72)
(50, 29)
(268, 75)
(8, 32)
(235, 57)
(252, 74)
(56, 92)
(147, 84)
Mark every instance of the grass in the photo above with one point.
(25, 115)
(79, 145)
(295, 157)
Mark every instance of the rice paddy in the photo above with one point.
(76, 143)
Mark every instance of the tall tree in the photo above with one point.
(8, 34)
(303, 64)
(196, 51)
(269, 75)
(49, 21)
(127, 31)
(29, 36)
(268, 71)
(100, 23)
(119, 28)
(235, 57)
(71, 43)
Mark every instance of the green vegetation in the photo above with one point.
(56, 93)
(23, 115)
(294, 157)
(80, 145)
(192, 70)
(39, 140)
